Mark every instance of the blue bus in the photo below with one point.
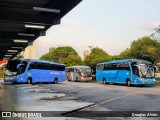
(128, 71)
(32, 71)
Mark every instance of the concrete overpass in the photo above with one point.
(22, 21)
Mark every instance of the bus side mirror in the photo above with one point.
(19, 65)
(92, 71)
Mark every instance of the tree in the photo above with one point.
(97, 55)
(126, 54)
(72, 60)
(145, 48)
(59, 54)
(156, 34)
(20, 56)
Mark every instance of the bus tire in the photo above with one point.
(128, 82)
(29, 81)
(77, 79)
(55, 81)
(104, 81)
(68, 79)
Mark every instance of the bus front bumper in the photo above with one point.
(148, 82)
(86, 78)
(10, 79)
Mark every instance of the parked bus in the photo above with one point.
(32, 71)
(79, 73)
(128, 71)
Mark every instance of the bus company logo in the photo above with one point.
(6, 114)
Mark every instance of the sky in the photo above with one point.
(108, 24)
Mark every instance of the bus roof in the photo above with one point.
(127, 60)
(35, 60)
(79, 67)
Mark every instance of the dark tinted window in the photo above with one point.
(100, 67)
(58, 67)
(123, 66)
(112, 66)
(44, 66)
(69, 69)
(40, 66)
(22, 68)
(135, 70)
(47, 66)
(33, 65)
(12, 65)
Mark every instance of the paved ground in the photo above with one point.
(79, 96)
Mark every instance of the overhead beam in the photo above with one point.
(46, 10)
(18, 35)
(42, 19)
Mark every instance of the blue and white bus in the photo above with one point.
(128, 71)
(32, 71)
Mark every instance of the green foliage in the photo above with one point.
(59, 54)
(97, 55)
(1, 73)
(126, 54)
(72, 60)
(116, 57)
(145, 48)
(20, 56)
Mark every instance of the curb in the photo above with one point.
(76, 110)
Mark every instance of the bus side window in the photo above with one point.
(67, 69)
(135, 70)
(76, 70)
(112, 66)
(71, 69)
(126, 66)
(32, 65)
(105, 67)
(123, 66)
(25, 63)
(100, 67)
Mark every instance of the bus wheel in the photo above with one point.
(104, 81)
(55, 81)
(128, 83)
(68, 79)
(29, 81)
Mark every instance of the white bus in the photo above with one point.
(79, 73)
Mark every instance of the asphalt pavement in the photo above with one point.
(76, 97)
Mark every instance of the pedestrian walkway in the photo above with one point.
(1, 97)
(6, 103)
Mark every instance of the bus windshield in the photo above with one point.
(147, 71)
(11, 68)
(86, 72)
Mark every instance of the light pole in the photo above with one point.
(90, 47)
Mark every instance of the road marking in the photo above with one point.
(116, 98)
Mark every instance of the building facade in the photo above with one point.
(30, 52)
(85, 54)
